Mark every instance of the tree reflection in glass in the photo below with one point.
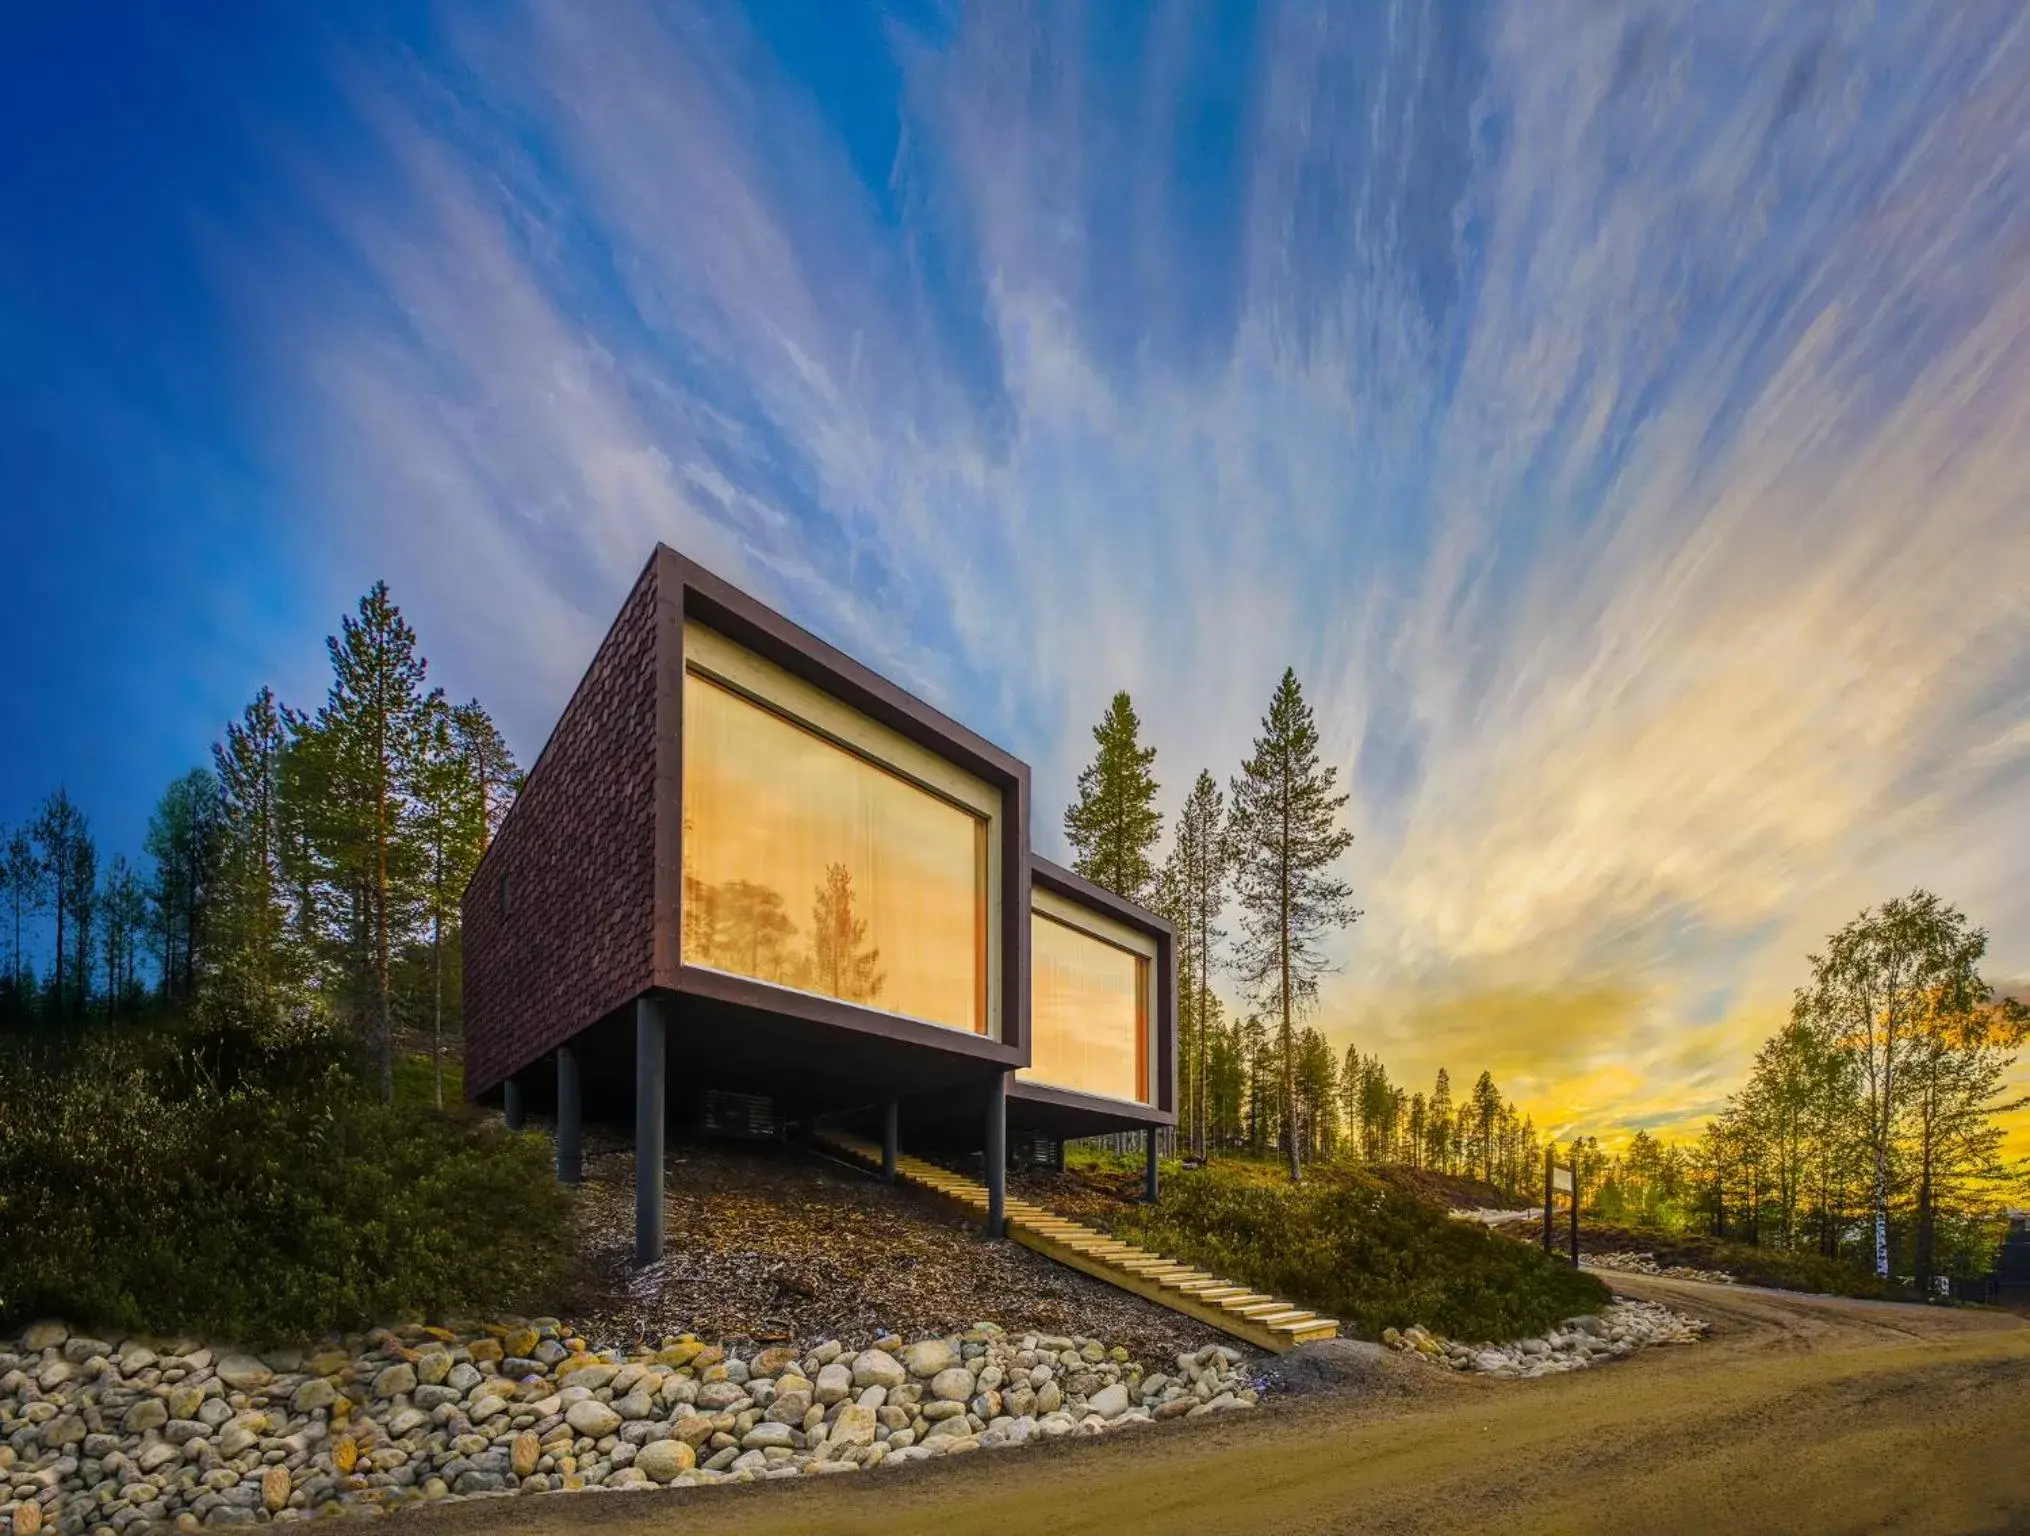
(897, 875)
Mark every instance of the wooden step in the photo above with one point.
(1265, 1321)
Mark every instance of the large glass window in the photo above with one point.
(1088, 1013)
(811, 866)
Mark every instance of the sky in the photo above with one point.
(1618, 415)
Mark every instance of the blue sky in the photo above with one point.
(1616, 414)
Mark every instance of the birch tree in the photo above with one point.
(1871, 990)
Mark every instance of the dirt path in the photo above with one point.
(1801, 1414)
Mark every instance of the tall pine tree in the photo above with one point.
(484, 751)
(58, 829)
(1114, 822)
(1195, 882)
(451, 822)
(1286, 838)
(376, 721)
(253, 915)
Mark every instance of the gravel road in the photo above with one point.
(1801, 1414)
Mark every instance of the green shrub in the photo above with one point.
(220, 1184)
(1347, 1244)
(1748, 1263)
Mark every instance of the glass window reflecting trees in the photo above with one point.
(809, 865)
(1088, 1011)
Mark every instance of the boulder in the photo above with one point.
(243, 1373)
(1109, 1402)
(835, 1383)
(395, 1381)
(592, 1418)
(854, 1426)
(662, 1460)
(923, 1360)
(952, 1385)
(876, 1368)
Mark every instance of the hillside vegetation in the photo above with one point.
(214, 1181)
(1349, 1244)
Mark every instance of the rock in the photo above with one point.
(241, 1434)
(854, 1426)
(462, 1378)
(432, 1366)
(395, 1381)
(876, 1368)
(37, 1337)
(1109, 1402)
(435, 1397)
(314, 1394)
(952, 1385)
(835, 1383)
(773, 1361)
(1049, 1398)
(488, 1407)
(588, 1373)
(766, 1434)
(592, 1418)
(927, 1357)
(149, 1413)
(715, 1396)
(28, 1515)
(275, 1489)
(519, 1341)
(692, 1428)
(243, 1373)
(661, 1460)
(638, 1404)
(954, 1428)
(524, 1453)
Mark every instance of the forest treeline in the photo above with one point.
(313, 868)
(1869, 1131)
(1264, 847)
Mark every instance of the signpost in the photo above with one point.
(1559, 1181)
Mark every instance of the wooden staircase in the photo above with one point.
(1260, 1320)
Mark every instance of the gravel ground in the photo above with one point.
(774, 1243)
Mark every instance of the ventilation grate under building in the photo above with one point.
(747, 1115)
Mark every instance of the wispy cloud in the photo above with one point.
(1617, 415)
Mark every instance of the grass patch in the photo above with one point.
(1747, 1263)
(1347, 1243)
(213, 1182)
(416, 1085)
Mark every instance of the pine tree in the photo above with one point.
(496, 779)
(375, 719)
(1438, 1124)
(81, 874)
(1286, 837)
(123, 910)
(27, 885)
(1193, 894)
(451, 805)
(253, 914)
(1486, 1104)
(183, 840)
(1114, 822)
(57, 829)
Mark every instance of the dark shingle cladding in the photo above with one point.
(575, 937)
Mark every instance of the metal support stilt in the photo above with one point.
(570, 1118)
(648, 1132)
